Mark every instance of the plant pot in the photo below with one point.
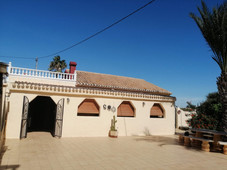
(113, 134)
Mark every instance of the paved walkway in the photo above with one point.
(41, 151)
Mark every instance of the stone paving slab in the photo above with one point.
(40, 151)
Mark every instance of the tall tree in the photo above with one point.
(57, 64)
(213, 25)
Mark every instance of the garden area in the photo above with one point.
(212, 113)
(207, 115)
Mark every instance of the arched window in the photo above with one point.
(125, 110)
(88, 107)
(157, 111)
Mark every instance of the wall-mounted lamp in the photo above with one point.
(68, 100)
(143, 104)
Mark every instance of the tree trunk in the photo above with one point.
(222, 90)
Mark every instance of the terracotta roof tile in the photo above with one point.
(99, 80)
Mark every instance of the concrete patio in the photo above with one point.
(41, 151)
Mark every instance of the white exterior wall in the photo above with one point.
(87, 126)
(14, 116)
(183, 116)
(13, 78)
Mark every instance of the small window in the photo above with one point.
(88, 107)
(125, 110)
(156, 111)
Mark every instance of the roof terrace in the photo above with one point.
(40, 76)
(34, 73)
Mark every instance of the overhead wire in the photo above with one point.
(99, 32)
(89, 37)
(29, 58)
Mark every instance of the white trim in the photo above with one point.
(25, 72)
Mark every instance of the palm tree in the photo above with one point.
(57, 64)
(213, 26)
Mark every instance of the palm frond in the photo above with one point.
(57, 64)
(213, 26)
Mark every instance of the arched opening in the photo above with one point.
(125, 109)
(157, 111)
(88, 107)
(42, 115)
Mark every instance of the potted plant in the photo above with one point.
(113, 131)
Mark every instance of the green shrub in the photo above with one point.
(203, 121)
(208, 113)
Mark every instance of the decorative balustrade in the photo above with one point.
(86, 91)
(40, 73)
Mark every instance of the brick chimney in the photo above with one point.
(72, 67)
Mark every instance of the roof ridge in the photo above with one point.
(112, 75)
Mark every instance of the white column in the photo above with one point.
(9, 68)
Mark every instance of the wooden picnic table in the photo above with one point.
(217, 135)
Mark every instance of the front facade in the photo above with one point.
(82, 104)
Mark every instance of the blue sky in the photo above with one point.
(160, 44)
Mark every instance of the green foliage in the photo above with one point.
(212, 106)
(57, 64)
(213, 26)
(208, 114)
(190, 107)
(203, 121)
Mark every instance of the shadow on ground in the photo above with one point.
(165, 140)
(10, 167)
(3, 150)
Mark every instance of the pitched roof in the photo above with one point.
(98, 80)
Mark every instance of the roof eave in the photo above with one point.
(167, 93)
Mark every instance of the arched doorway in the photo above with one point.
(42, 115)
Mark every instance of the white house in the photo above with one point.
(80, 104)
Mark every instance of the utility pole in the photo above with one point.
(36, 62)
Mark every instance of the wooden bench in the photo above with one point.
(205, 142)
(181, 136)
(224, 146)
(208, 136)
